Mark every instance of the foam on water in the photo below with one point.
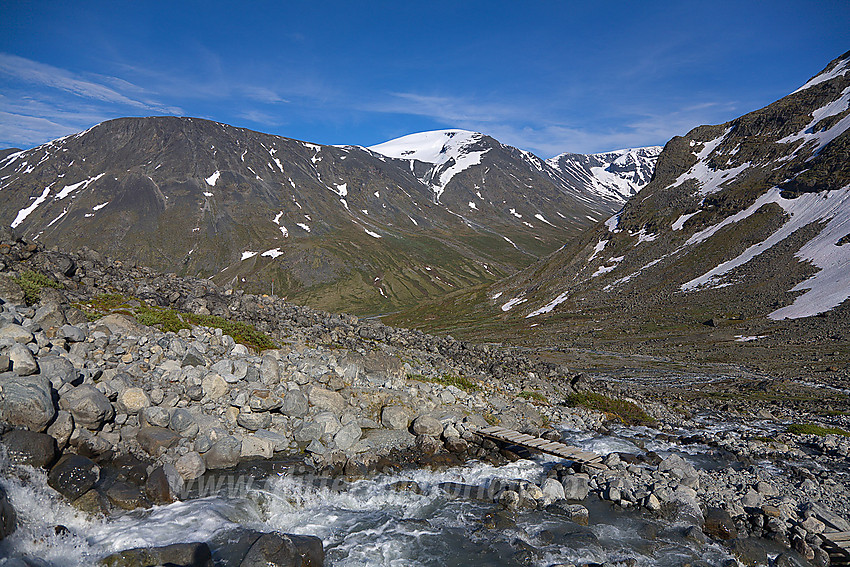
(365, 522)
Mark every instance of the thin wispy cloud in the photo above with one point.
(48, 76)
(543, 130)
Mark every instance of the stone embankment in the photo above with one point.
(123, 415)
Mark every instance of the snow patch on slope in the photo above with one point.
(211, 180)
(841, 69)
(830, 286)
(68, 189)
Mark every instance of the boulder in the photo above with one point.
(427, 425)
(269, 371)
(677, 467)
(126, 496)
(133, 400)
(552, 490)
(395, 417)
(427, 445)
(90, 408)
(174, 555)
(23, 362)
(190, 466)
(62, 428)
(154, 416)
(254, 446)
(326, 400)
(576, 487)
(120, 324)
(294, 404)
(214, 386)
(72, 333)
(26, 401)
(157, 488)
(50, 314)
(573, 512)
(254, 420)
(348, 436)
(11, 292)
(29, 448)
(16, 333)
(262, 399)
(156, 439)
(719, 524)
(285, 550)
(58, 369)
(224, 453)
(183, 422)
(73, 475)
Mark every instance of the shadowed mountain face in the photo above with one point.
(738, 249)
(753, 214)
(341, 228)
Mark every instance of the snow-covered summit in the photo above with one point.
(434, 147)
(617, 174)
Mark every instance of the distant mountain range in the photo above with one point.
(344, 228)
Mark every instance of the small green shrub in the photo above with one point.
(621, 410)
(491, 419)
(448, 380)
(242, 333)
(533, 396)
(813, 429)
(171, 320)
(32, 283)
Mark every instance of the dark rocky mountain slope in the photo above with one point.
(342, 228)
(737, 250)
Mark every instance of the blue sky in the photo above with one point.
(545, 76)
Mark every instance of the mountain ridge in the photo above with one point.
(735, 251)
(337, 227)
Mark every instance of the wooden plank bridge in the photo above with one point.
(586, 458)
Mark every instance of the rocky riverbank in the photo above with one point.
(125, 416)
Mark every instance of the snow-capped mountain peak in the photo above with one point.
(437, 147)
(616, 175)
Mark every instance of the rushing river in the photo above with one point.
(375, 521)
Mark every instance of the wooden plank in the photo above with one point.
(840, 539)
(539, 444)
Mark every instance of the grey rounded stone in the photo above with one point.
(26, 401)
(190, 466)
(254, 420)
(395, 417)
(285, 549)
(72, 333)
(133, 400)
(327, 400)
(23, 362)
(90, 408)
(58, 369)
(214, 386)
(183, 423)
(62, 428)
(427, 425)
(576, 487)
(154, 416)
(294, 404)
(224, 453)
(16, 333)
(154, 440)
(346, 437)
